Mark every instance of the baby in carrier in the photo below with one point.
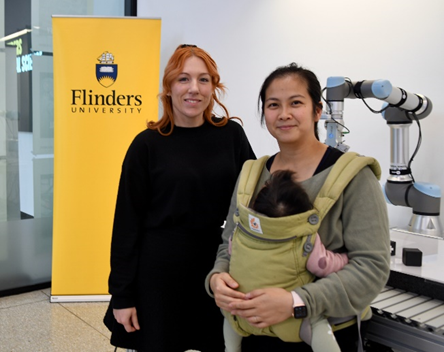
(282, 196)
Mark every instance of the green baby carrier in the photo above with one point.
(273, 252)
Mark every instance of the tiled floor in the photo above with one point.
(29, 322)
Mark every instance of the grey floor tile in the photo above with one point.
(29, 323)
(91, 313)
(23, 299)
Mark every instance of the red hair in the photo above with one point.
(172, 70)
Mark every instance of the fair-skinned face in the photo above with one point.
(288, 111)
(191, 93)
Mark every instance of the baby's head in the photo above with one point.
(282, 196)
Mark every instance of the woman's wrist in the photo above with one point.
(212, 278)
(299, 308)
(297, 301)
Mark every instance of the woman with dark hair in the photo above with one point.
(290, 102)
(166, 226)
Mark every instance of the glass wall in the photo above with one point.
(27, 134)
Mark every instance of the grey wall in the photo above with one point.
(397, 40)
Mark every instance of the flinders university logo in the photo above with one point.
(106, 71)
(86, 100)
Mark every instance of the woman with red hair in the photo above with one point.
(174, 193)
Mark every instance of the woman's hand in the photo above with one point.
(264, 307)
(128, 318)
(224, 290)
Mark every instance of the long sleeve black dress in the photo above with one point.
(173, 197)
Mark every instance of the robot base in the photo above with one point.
(426, 225)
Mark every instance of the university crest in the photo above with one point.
(106, 71)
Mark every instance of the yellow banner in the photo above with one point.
(106, 81)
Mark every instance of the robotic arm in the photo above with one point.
(399, 110)
(338, 89)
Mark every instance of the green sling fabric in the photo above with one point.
(273, 252)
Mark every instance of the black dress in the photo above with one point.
(173, 197)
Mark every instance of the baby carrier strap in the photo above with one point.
(249, 176)
(342, 172)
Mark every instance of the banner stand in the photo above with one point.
(106, 81)
(80, 298)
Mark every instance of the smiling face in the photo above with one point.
(191, 93)
(288, 111)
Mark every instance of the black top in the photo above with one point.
(173, 197)
(177, 183)
(330, 156)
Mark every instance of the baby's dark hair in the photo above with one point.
(282, 196)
